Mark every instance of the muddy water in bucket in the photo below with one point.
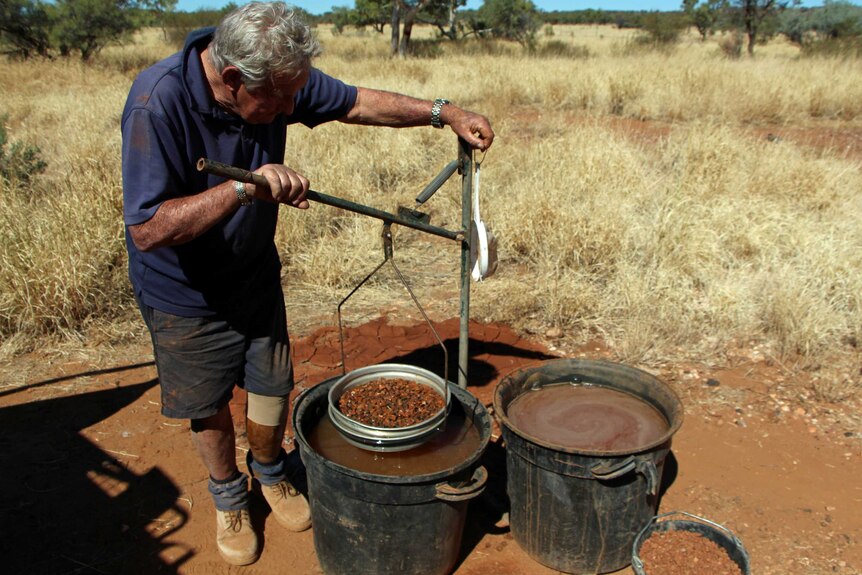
(588, 417)
(391, 513)
(451, 445)
(580, 495)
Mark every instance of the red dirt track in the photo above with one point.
(97, 481)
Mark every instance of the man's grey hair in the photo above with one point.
(265, 41)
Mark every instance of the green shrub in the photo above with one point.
(18, 161)
(662, 29)
(731, 45)
(426, 48)
(560, 49)
(846, 47)
(480, 47)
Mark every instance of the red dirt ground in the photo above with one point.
(97, 481)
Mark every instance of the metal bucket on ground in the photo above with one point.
(579, 510)
(718, 534)
(384, 524)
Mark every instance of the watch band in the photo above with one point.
(435, 112)
(242, 196)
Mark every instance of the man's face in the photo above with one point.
(262, 105)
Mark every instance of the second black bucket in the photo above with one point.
(579, 511)
(374, 524)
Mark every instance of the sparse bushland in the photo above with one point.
(634, 195)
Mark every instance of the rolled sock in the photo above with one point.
(268, 474)
(230, 494)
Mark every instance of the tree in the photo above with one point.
(704, 14)
(161, 12)
(443, 15)
(408, 11)
(374, 13)
(754, 14)
(833, 21)
(516, 20)
(87, 26)
(24, 27)
(395, 24)
(402, 15)
(341, 18)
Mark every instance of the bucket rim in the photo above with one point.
(692, 522)
(323, 389)
(673, 426)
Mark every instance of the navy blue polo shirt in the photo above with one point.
(168, 123)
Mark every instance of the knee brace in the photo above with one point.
(267, 410)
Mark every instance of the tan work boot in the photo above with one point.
(289, 506)
(237, 541)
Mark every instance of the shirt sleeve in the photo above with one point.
(151, 174)
(322, 99)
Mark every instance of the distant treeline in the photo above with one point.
(621, 19)
(67, 27)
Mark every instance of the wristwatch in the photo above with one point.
(239, 188)
(435, 112)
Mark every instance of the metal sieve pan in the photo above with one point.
(387, 438)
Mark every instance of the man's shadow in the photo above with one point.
(69, 506)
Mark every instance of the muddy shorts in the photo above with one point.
(200, 359)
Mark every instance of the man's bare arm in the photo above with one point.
(381, 108)
(181, 220)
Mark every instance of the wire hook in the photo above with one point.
(479, 163)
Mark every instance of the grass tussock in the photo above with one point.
(674, 238)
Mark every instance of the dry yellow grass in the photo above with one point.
(682, 235)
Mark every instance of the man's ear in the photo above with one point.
(232, 78)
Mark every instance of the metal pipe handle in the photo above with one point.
(435, 184)
(241, 175)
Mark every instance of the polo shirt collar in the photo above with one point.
(194, 77)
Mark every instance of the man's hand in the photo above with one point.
(474, 128)
(285, 186)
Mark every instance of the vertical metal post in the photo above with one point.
(465, 157)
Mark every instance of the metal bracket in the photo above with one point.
(388, 257)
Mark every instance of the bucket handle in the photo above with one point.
(655, 520)
(448, 492)
(644, 466)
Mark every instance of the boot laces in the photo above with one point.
(283, 489)
(235, 518)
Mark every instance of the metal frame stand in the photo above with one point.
(408, 218)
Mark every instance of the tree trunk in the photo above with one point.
(410, 12)
(404, 47)
(453, 31)
(752, 37)
(396, 28)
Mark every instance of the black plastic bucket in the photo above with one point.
(718, 534)
(365, 523)
(579, 511)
